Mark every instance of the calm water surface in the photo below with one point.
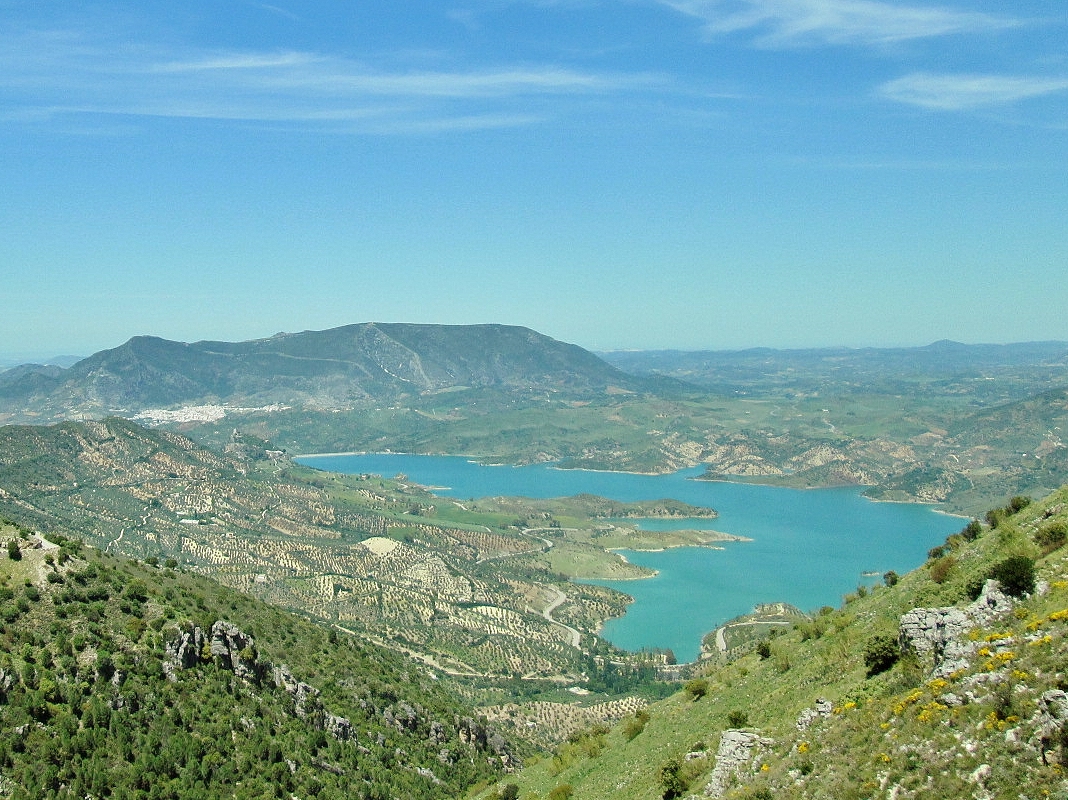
(809, 548)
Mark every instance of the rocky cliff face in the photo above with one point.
(228, 647)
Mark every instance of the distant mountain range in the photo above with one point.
(317, 369)
(1021, 368)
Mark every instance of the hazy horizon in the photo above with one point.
(18, 358)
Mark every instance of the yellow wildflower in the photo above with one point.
(930, 712)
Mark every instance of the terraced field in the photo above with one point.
(478, 592)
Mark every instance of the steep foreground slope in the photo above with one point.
(123, 680)
(944, 683)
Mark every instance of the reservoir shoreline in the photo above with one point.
(807, 548)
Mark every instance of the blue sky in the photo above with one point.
(630, 174)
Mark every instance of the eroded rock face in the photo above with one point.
(477, 736)
(233, 649)
(737, 755)
(938, 634)
(183, 652)
(1049, 720)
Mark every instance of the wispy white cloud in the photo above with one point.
(74, 76)
(962, 92)
(781, 23)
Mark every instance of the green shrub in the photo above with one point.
(635, 725)
(1018, 503)
(881, 653)
(13, 551)
(738, 719)
(890, 578)
(671, 780)
(941, 568)
(697, 688)
(561, 792)
(763, 649)
(1016, 574)
(1051, 537)
(972, 530)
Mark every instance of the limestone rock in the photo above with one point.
(822, 710)
(938, 634)
(736, 756)
(1048, 721)
(183, 652)
(305, 697)
(991, 604)
(338, 727)
(234, 650)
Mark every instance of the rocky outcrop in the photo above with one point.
(230, 648)
(822, 710)
(234, 650)
(307, 705)
(937, 635)
(478, 736)
(183, 652)
(736, 757)
(1049, 721)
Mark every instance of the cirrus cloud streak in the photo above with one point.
(45, 74)
(789, 23)
(963, 92)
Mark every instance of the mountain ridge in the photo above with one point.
(338, 367)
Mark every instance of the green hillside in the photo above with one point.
(99, 698)
(960, 699)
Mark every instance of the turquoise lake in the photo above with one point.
(810, 547)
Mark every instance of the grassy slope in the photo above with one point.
(893, 729)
